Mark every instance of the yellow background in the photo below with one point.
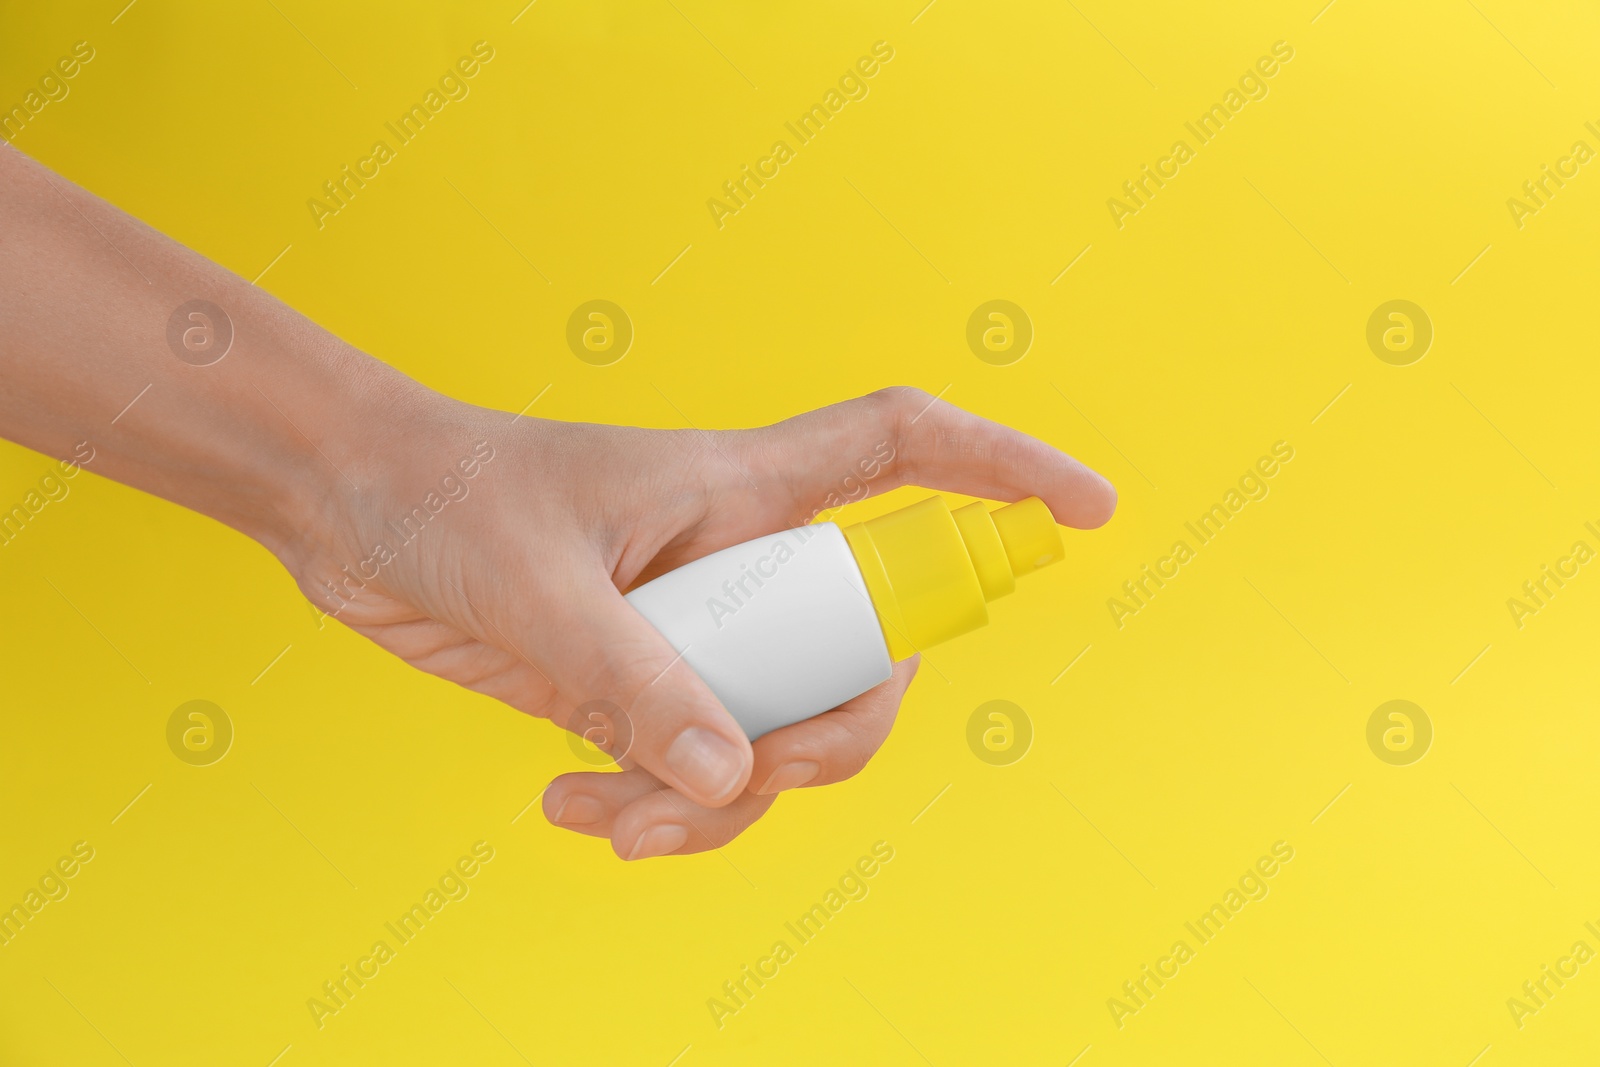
(1223, 317)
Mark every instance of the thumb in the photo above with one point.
(904, 436)
(632, 692)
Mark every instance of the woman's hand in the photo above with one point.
(493, 551)
(487, 548)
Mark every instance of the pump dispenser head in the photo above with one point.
(930, 571)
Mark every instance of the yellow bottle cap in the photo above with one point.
(930, 571)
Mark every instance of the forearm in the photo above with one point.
(91, 351)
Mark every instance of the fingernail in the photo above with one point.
(658, 841)
(707, 763)
(791, 775)
(579, 809)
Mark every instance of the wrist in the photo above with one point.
(391, 457)
(350, 425)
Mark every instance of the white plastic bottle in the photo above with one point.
(785, 627)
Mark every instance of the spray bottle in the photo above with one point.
(787, 626)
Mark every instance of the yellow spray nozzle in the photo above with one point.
(1030, 535)
(930, 571)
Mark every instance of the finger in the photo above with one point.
(829, 748)
(644, 818)
(657, 712)
(588, 802)
(904, 436)
(666, 823)
(832, 746)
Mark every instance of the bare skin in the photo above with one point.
(533, 530)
